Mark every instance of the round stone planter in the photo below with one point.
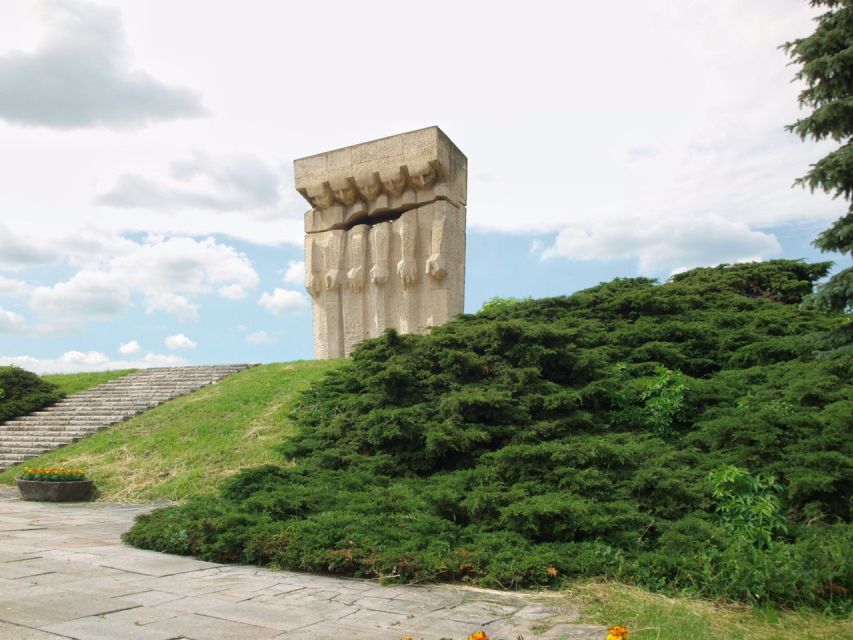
(46, 491)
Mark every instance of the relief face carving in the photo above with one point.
(345, 191)
(370, 187)
(322, 197)
(385, 239)
(396, 182)
(422, 176)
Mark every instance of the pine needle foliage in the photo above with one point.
(566, 437)
(826, 66)
(22, 391)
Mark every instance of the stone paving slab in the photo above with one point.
(64, 573)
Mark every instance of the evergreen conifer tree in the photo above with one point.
(826, 59)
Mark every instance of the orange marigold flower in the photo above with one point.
(618, 632)
(478, 635)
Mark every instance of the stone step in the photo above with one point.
(97, 408)
(24, 450)
(37, 441)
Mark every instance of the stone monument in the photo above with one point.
(385, 237)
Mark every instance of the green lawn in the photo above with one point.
(188, 445)
(71, 383)
(651, 616)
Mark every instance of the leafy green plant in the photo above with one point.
(748, 504)
(497, 304)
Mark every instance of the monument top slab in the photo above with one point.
(403, 157)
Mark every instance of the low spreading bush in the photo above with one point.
(684, 436)
(22, 392)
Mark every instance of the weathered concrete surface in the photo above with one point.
(64, 573)
(385, 237)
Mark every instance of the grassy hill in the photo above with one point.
(189, 445)
(71, 383)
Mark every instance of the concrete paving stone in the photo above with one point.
(152, 563)
(247, 583)
(67, 567)
(337, 632)
(152, 597)
(16, 583)
(535, 612)
(284, 587)
(22, 588)
(423, 625)
(232, 595)
(22, 526)
(106, 586)
(93, 575)
(309, 595)
(397, 605)
(98, 628)
(22, 569)
(200, 627)
(370, 619)
(283, 618)
(54, 607)
(478, 612)
(15, 632)
(141, 615)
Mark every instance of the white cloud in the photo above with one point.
(233, 182)
(657, 143)
(163, 360)
(232, 292)
(13, 288)
(167, 272)
(179, 341)
(668, 244)
(172, 303)
(283, 301)
(81, 75)
(129, 348)
(295, 273)
(260, 337)
(17, 251)
(11, 322)
(80, 359)
(91, 294)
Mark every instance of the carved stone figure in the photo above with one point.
(385, 237)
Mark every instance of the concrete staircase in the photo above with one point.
(97, 408)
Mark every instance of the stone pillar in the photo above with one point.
(385, 237)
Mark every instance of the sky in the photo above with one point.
(147, 209)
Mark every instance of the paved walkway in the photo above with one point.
(64, 573)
